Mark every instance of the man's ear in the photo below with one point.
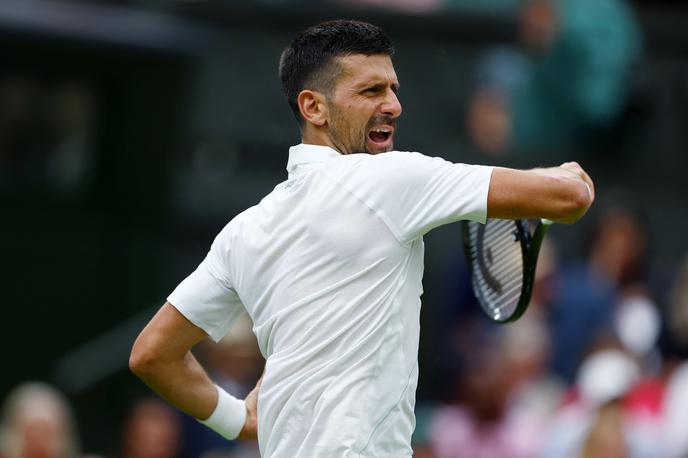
(313, 107)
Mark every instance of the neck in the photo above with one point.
(317, 136)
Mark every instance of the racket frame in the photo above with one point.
(530, 249)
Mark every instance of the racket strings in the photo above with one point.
(497, 266)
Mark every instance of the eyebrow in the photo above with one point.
(395, 85)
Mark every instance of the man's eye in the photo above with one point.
(372, 90)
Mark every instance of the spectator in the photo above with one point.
(620, 252)
(597, 422)
(604, 298)
(37, 422)
(151, 430)
(504, 397)
(571, 74)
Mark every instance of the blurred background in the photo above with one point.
(132, 131)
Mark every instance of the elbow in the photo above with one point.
(142, 359)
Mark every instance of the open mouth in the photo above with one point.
(380, 135)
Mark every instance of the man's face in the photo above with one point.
(363, 105)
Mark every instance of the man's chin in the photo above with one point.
(373, 148)
(377, 149)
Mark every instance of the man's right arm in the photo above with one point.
(161, 357)
(562, 194)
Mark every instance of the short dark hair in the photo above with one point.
(308, 59)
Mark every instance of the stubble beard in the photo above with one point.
(348, 142)
(356, 142)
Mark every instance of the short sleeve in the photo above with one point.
(414, 193)
(206, 297)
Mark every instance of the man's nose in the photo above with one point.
(391, 105)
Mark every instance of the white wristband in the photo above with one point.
(228, 417)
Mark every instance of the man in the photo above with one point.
(329, 264)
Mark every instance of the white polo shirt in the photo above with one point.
(329, 268)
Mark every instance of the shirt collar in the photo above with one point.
(307, 154)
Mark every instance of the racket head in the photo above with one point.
(501, 266)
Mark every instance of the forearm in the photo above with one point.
(562, 194)
(162, 358)
(183, 383)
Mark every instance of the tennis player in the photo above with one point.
(329, 264)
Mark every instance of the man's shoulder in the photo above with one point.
(396, 155)
(236, 222)
(381, 161)
(390, 166)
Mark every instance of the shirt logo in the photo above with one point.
(293, 182)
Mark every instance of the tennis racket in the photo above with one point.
(502, 255)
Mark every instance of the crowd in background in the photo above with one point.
(597, 367)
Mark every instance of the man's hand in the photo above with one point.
(250, 429)
(572, 170)
(578, 171)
